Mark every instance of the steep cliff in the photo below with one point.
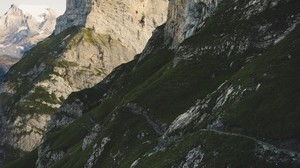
(187, 17)
(76, 57)
(227, 96)
(131, 22)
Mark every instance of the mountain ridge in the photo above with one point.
(225, 96)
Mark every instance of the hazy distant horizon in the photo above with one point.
(58, 5)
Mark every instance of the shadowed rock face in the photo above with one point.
(185, 17)
(75, 15)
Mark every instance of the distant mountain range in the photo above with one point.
(22, 27)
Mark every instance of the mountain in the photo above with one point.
(22, 27)
(75, 57)
(217, 85)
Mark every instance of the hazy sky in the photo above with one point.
(58, 5)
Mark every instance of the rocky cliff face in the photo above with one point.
(75, 15)
(187, 17)
(76, 57)
(227, 96)
(131, 22)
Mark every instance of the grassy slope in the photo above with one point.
(275, 106)
(24, 162)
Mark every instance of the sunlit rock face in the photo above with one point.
(131, 22)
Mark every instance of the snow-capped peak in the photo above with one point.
(22, 26)
(38, 12)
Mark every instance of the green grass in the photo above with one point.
(24, 162)
(219, 151)
(274, 107)
(89, 36)
(64, 64)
